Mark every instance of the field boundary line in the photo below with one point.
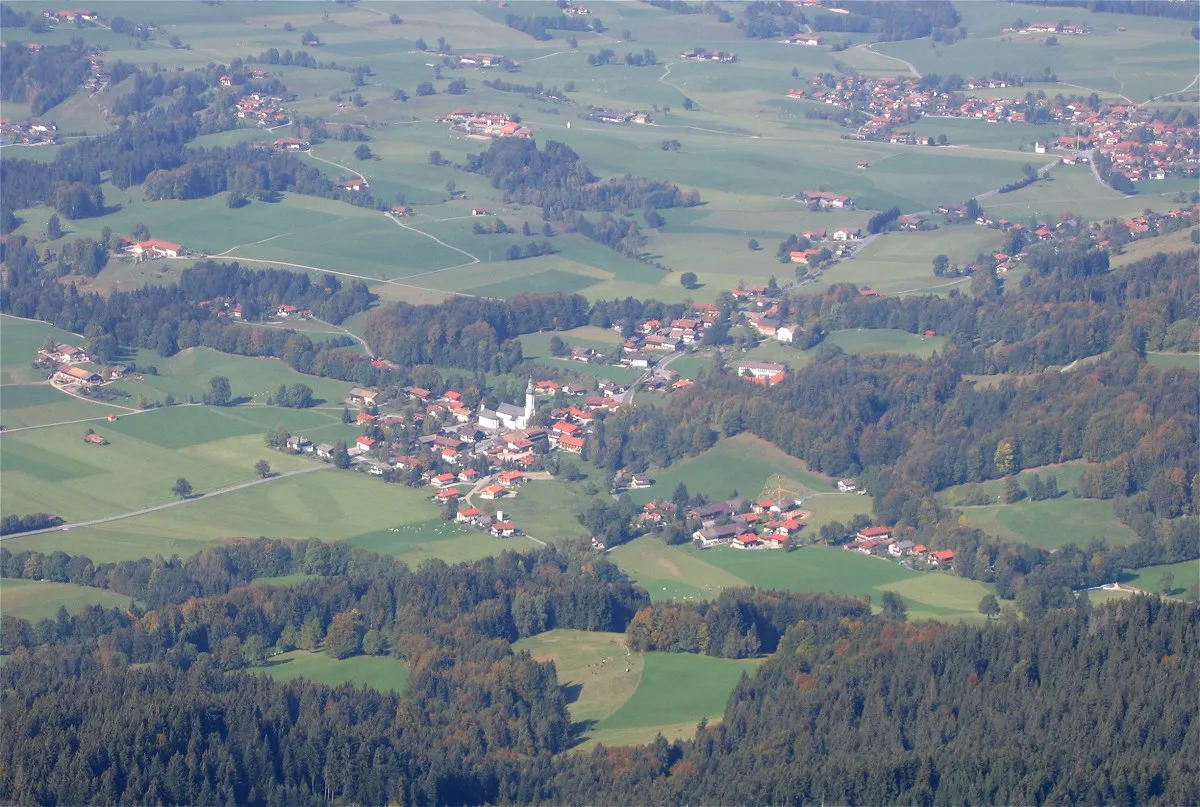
(166, 505)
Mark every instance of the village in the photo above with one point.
(1140, 145)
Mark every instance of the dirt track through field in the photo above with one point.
(157, 507)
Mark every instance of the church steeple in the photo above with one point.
(529, 402)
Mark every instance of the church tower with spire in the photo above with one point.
(528, 417)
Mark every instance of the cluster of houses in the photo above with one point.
(619, 117)
(472, 441)
(737, 523)
(474, 453)
(1064, 27)
(28, 133)
(1148, 225)
(825, 200)
(1146, 146)
(262, 109)
(67, 361)
(705, 55)
(485, 125)
(882, 542)
(71, 15)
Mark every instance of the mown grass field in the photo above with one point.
(378, 672)
(1068, 475)
(744, 463)
(1146, 247)
(591, 667)
(53, 470)
(675, 691)
(284, 580)
(330, 505)
(547, 509)
(885, 340)
(34, 600)
(672, 573)
(687, 573)
(1052, 523)
(1149, 578)
(622, 698)
(934, 595)
(186, 375)
(1171, 361)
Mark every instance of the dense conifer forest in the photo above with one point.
(1092, 704)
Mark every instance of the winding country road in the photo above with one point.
(869, 48)
(157, 507)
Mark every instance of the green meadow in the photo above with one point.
(1052, 523)
(378, 672)
(744, 463)
(186, 375)
(53, 470)
(1171, 361)
(1149, 578)
(34, 600)
(1068, 475)
(687, 573)
(591, 666)
(675, 692)
(330, 505)
(546, 509)
(622, 698)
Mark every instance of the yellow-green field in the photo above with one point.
(622, 698)
(34, 600)
(378, 672)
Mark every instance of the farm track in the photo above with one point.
(869, 48)
(474, 259)
(157, 507)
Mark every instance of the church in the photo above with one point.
(508, 416)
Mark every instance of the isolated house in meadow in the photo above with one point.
(760, 369)
(156, 248)
(356, 184)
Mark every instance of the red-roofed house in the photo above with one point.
(571, 444)
(156, 248)
(942, 557)
(874, 533)
(511, 479)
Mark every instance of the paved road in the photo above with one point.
(626, 397)
(158, 507)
